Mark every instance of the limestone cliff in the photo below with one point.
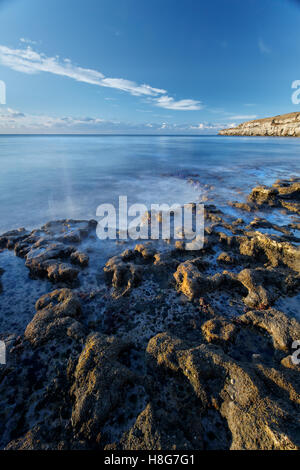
(285, 125)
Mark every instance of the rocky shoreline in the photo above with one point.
(285, 125)
(168, 349)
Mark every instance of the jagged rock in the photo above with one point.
(56, 318)
(263, 195)
(9, 239)
(99, 383)
(189, 280)
(164, 263)
(218, 330)
(289, 363)
(288, 189)
(146, 251)
(122, 273)
(283, 329)
(57, 272)
(192, 283)
(258, 222)
(226, 258)
(68, 230)
(80, 258)
(48, 250)
(35, 439)
(284, 194)
(291, 206)
(263, 248)
(244, 206)
(144, 434)
(254, 280)
(255, 416)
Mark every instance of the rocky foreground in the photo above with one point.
(284, 125)
(173, 350)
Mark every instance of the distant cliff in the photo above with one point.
(286, 125)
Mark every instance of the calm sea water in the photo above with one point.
(44, 178)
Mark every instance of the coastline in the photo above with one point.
(285, 125)
(124, 355)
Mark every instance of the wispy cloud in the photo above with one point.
(28, 41)
(264, 49)
(204, 126)
(243, 116)
(131, 87)
(30, 62)
(11, 119)
(14, 121)
(167, 102)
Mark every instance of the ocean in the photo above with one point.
(46, 178)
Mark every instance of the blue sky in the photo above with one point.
(137, 66)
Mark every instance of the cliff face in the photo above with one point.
(287, 125)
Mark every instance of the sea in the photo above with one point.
(46, 178)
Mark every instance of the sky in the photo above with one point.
(145, 67)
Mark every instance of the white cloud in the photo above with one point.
(27, 41)
(264, 49)
(167, 102)
(29, 61)
(206, 126)
(14, 121)
(131, 87)
(11, 119)
(244, 117)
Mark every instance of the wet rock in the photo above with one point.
(122, 273)
(192, 283)
(46, 259)
(146, 251)
(244, 206)
(165, 262)
(263, 248)
(288, 190)
(263, 195)
(258, 222)
(291, 206)
(80, 258)
(47, 251)
(9, 239)
(68, 230)
(284, 193)
(56, 318)
(57, 272)
(226, 258)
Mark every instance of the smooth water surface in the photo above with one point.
(53, 177)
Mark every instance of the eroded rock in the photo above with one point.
(56, 318)
(99, 383)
